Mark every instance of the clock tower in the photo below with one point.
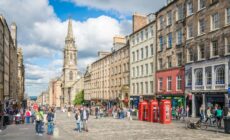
(70, 73)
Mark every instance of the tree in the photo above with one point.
(79, 98)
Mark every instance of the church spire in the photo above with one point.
(70, 31)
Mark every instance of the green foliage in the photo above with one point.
(79, 98)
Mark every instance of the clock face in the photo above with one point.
(71, 62)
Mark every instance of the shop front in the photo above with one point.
(176, 101)
(134, 101)
(209, 100)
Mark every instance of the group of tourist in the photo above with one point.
(82, 116)
(44, 117)
(213, 115)
(180, 112)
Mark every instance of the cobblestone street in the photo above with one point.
(113, 129)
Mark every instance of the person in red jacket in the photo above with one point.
(28, 115)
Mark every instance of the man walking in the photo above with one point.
(85, 116)
(50, 119)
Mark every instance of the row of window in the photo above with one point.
(142, 53)
(169, 83)
(199, 77)
(214, 50)
(120, 68)
(214, 24)
(142, 70)
(179, 13)
(119, 55)
(179, 60)
(120, 81)
(142, 87)
(142, 35)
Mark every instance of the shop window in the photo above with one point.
(209, 77)
(220, 75)
(199, 77)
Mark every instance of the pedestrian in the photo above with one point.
(219, 116)
(187, 111)
(202, 111)
(50, 123)
(69, 111)
(183, 113)
(177, 113)
(28, 115)
(78, 120)
(39, 118)
(96, 112)
(85, 117)
(209, 115)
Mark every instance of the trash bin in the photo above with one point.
(227, 125)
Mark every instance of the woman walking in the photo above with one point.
(78, 120)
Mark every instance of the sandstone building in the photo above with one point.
(119, 71)
(142, 58)
(207, 53)
(21, 76)
(170, 52)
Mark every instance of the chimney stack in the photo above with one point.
(139, 21)
(14, 33)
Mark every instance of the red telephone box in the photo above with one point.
(143, 111)
(153, 111)
(165, 111)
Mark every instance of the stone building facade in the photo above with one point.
(170, 52)
(87, 84)
(21, 76)
(100, 78)
(142, 59)
(13, 63)
(8, 62)
(55, 92)
(207, 53)
(119, 72)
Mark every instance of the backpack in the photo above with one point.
(27, 113)
(219, 113)
(76, 116)
(38, 116)
(50, 117)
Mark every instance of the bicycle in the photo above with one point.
(195, 125)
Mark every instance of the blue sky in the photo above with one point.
(42, 27)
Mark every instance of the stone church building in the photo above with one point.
(72, 81)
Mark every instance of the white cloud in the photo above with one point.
(123, 6)
(35, 51)
(41, 34)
